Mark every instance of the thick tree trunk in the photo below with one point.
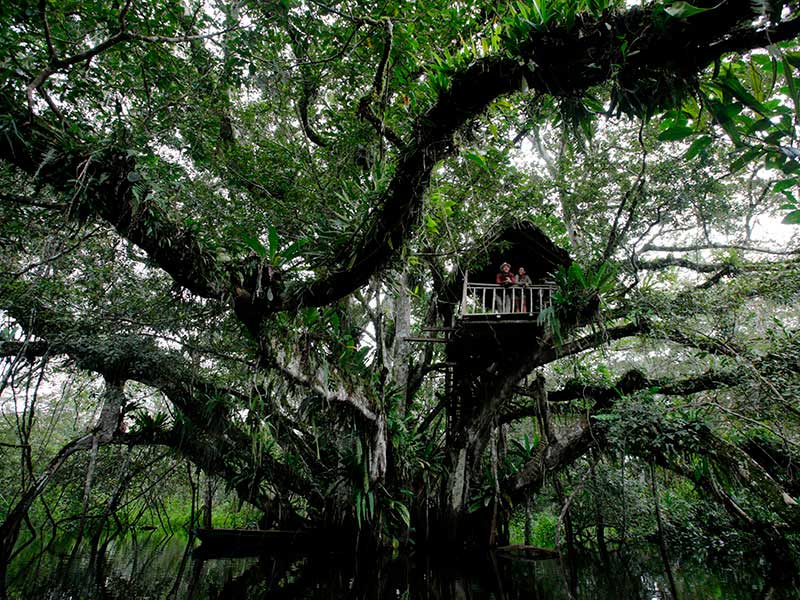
(401, 349)
(456, 494)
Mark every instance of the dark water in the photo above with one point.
(150, 566)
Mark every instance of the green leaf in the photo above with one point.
(293, 250)
(700, 144)
(675, 133)
(760, 125)
(272, 234)
(478, 159)
(793, 218)
(403, 513)
(310, 315)
(431, 224)
(725, 116)
(746, 158)
(684, 10)
(730, 83)
(793, 58)
(784, 185)
(254, 243)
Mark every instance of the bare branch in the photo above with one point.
(634, 195)
(293, 369)
(182, 38)
(28, 201)
(698, 247)
(379, 92)
(51, 51)
(58, 64)
(659, 264)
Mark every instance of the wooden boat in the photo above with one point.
(521, 551)
(244, 542)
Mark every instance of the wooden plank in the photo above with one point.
(424, 339)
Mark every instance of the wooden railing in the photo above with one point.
(483, 299)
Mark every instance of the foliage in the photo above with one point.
(239, 217)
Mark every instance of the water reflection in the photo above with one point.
(155, 567)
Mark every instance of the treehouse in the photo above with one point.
(487, 318)
(494, 323)
(521, 244)
(491, 347)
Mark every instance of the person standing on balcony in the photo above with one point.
(524, 280)
(502, 299)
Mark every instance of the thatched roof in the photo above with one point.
(520, 243)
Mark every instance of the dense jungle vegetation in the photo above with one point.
(221, 221)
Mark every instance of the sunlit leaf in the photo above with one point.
(684, 10)
(746, 158)
(784, 185)
(698, 146)
(793, 218)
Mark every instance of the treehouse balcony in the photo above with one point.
(516, 303)
(485, 321)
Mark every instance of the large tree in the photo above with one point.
(249, 207)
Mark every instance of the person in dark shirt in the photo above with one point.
(505, 278)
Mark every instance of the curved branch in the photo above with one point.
(563, 451)
(109, 185)
(103, 433)
(292, 368)
(557, 61)
(634, 381)
(593, 340)
(128, 357)
(308, 89)
(660, 264)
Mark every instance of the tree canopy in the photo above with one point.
(236, 214)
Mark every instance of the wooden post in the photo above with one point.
(464, 294)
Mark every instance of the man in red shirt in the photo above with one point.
(502, 298)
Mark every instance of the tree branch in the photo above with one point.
(556, 61)
(292, 368)
(127, 357)
(29, 350)
(697, 247)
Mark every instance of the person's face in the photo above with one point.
(522, 271)
(505, 268)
